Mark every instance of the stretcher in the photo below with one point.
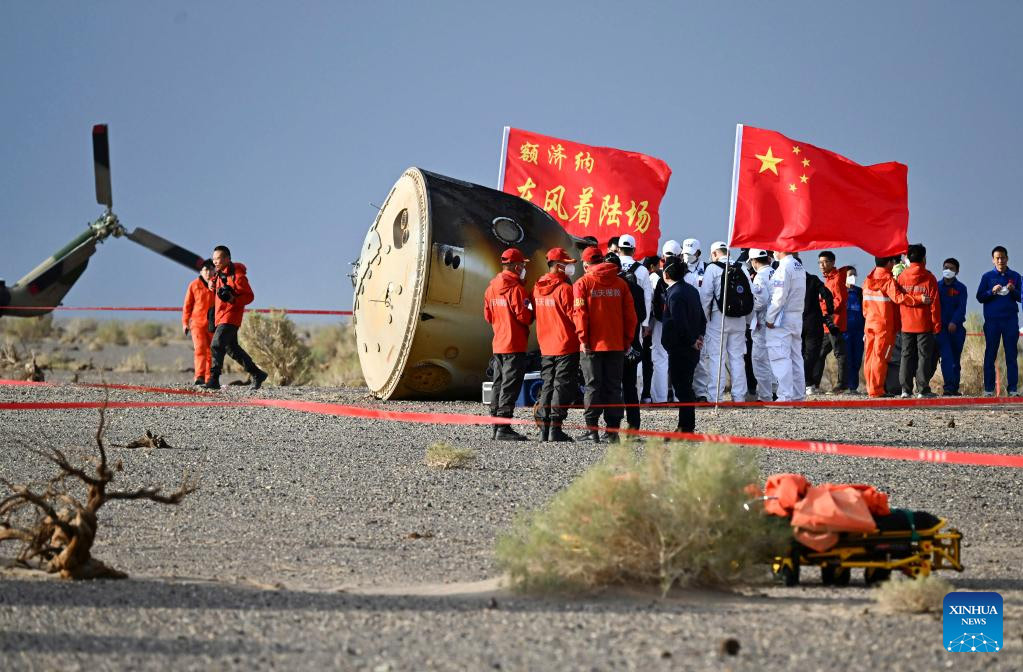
(913, 543)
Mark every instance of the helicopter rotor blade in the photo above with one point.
(101, 159)
(186, 258)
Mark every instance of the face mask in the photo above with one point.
(570, 270)
(948, 273)
(688, 258)
(522, 274)
(850, 280)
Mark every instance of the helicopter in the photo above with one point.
(45, 286)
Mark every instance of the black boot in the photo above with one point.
(545, 432)
(213, 382)
(258, 376)
(556, 435)
(506, 433)
(611, 436)
(589, 435)
(199, 381)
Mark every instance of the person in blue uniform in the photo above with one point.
(999, 291)
(853, 334)
(952, 336)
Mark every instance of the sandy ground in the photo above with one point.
(324, 542)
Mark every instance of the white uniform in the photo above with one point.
(733, 350)
(658, 356)
(701, 377)
(785, 340)
(761, 286)
(643, 280)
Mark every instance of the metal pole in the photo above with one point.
(721, 341)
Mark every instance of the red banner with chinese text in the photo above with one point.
(591, 191)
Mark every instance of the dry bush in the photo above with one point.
(336, 356)
(110, 332)
(913, 596)
(21, 366)
(445, 456)
(29, 329)
(78, 330)
(276, 348)
(134, 363)
(672, 516)
(143, 332)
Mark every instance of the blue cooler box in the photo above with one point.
(527, 397)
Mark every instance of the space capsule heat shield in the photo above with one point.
(424, 266)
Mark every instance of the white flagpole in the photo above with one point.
(728, 262)
(504, 159)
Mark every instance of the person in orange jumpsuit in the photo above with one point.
(919, 325)
(507, 309)
(881, 296)
(195, 318)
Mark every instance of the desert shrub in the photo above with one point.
(134, 363)
(143, 331)
(913, 596)
(29, 329)
(672, 516)
(111, 332)
(276, 348)
(445, 456)
(78, 329)
(336, 356)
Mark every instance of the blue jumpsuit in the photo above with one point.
(853, 336)
(1001, 323)
(950, 345)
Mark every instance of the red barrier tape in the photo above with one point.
(823, 448)
(177, 309)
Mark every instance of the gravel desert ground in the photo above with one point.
(322, 542)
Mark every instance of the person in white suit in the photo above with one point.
(784, 322)
(730, 355)
(760, 261)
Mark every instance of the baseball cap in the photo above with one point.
(671, 247)
(559, 254)
(627, 241)
(718, 245)
(592, 255)
(755, 253)
(690, 246)
(512, 256)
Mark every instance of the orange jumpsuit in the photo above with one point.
(881, 296)
(195, 318)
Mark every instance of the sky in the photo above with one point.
(271, 127)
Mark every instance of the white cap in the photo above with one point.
(627, 241)
(718, 245)
(690, 246)
(756, 253)
(671, 247)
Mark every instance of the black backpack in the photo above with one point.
(657, 305)
(638, 298)
(739, 298)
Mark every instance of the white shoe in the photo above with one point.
(904, 395)
(988, 394)
(811, 390)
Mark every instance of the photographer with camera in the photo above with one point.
(231, 291)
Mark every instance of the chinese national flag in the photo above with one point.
(591, 191)
(792, 196)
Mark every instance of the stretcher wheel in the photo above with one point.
(842, 576)
(828, 575)
(789, 575)
(872, 575)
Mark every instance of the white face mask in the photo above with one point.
(850, 280)
(522, 274)
(948, 273)
(570, 270)
(688, 258)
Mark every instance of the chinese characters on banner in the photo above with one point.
(591, 191)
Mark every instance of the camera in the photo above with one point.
(224, 291)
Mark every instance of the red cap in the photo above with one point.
(512, 256)
(593, 255)
(559, 254)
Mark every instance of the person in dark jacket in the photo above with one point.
(231, 293)
(999, 291)
(684, 325)
(853, 334)
(559, 344)
(633, 355)
(952, 336)
(814, 321)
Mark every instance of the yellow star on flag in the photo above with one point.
(768, 161)
(804, 179)
(795, 150)
(792, 188)
(806, 163)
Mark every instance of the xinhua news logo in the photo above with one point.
(972, 622)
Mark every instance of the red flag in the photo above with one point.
(792, 196)
(591, 191)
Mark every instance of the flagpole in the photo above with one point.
(504, 159)
(728, 261)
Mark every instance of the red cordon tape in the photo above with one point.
(818, 447)
(177, 309)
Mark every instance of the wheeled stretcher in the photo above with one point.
(915, 543)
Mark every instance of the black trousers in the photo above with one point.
(648, 365)
(602, 389)
(813, 338)
(682, 365)
(630, 370)
(560, 389)
(225, 342)
(751, 378)
(509, 370)
(831, 343)
(918, 361)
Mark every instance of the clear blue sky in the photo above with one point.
(271, 126)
